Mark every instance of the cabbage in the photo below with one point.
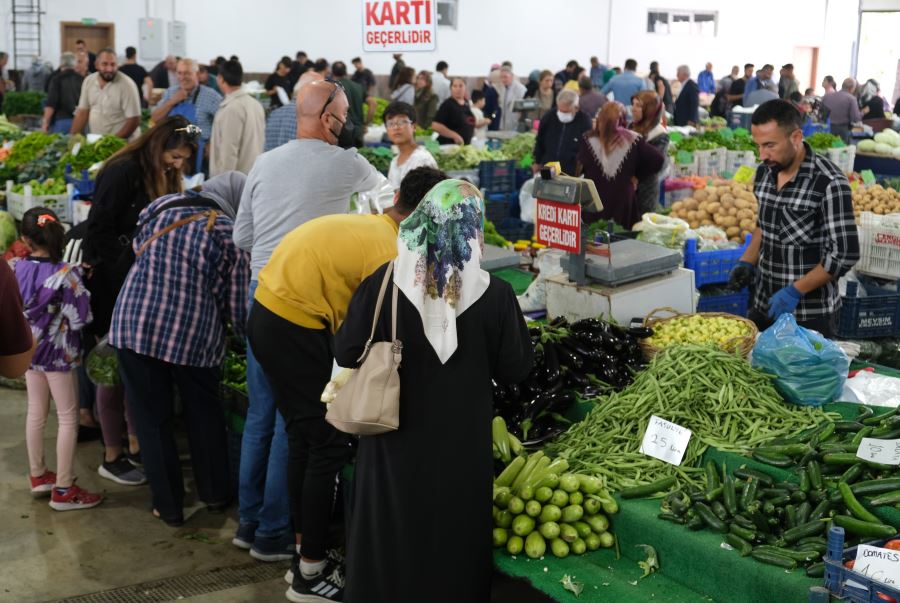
(896, 152)
(884, 138)
(883, 149)
(8, 233)
(867, 145)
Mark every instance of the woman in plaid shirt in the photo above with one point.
(806, 236)
(189, 281)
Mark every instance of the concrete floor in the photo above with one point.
(46, 555)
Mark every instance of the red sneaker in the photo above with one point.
(44, 484)
(74, 498)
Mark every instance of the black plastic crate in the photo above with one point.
(868, 317)
(498, 207)
(497, 176)
(514, 229)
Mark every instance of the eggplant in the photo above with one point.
(559, 321)
(551, 363)
(512, 392)
(640, 332)
(576, 378)
(561, 402)
(568, 357)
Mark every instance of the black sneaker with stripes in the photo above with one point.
(329, 586)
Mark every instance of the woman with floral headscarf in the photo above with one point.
(616, 159)
(460, 328)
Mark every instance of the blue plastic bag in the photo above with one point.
(809, 369)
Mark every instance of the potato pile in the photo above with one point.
(876, 199)
(731, 206)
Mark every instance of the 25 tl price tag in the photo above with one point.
(885, 452)
(665, 441)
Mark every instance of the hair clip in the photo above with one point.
(191, 130)
(44, 218)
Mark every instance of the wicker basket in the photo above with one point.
(742, 345)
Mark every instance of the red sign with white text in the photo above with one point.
(399, 25)
(559, 225)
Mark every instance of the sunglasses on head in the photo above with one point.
(337, 86)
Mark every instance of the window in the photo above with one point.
(447, 13)
(690, 23)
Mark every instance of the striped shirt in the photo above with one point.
(808, 222)
(183, 290)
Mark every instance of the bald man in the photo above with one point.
(296, 182)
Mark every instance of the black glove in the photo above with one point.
(741, 276)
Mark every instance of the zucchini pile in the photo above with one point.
(785, 523)
(582, 359)
(538, 506)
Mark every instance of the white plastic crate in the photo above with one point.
(843, 157)
(710, 162)
(19, 203)
(683, 170)
(735, 160)
(879, 245)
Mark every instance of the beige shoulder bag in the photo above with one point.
(369, 403)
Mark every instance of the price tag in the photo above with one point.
(665, 441)
(75, 149)
(886, 452)
(878, 564)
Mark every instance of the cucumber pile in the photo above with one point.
(539, 506)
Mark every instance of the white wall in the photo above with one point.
(531, 33)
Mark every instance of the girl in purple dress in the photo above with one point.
(57, 307)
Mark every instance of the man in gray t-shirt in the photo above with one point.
(304, 179)
(296, 182)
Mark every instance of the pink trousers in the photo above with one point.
(62, 386)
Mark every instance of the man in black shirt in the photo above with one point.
(279, 79)
(163, 74)
(301, 65)
(62, 99)
(736, 94)
(137, 73)
(363, 76)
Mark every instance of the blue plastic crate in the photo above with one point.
(868, 317)
(731, 303)
(523, 175)
(497, 176)
(500, 206)
(810, 128)
(711, 267)
(840, 580)
(84, 185)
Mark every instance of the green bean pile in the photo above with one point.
(724, 401)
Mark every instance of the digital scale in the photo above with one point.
(616, 260)
(617, 277)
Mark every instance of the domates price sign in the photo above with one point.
(399, 25)
(559, 225)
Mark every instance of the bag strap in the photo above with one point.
(394, 314)
(209, 214)
(378, 304)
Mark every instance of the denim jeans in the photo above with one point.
(263, 489)
(61, 126)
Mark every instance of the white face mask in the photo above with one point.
(565, 117)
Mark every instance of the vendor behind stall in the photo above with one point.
(806, 238)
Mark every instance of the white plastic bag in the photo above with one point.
(873, 389)
(527, 202)
(664, 230)
(548, 263)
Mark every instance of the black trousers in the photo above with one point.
(297, 362)
(824, 325)
(149, 386)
